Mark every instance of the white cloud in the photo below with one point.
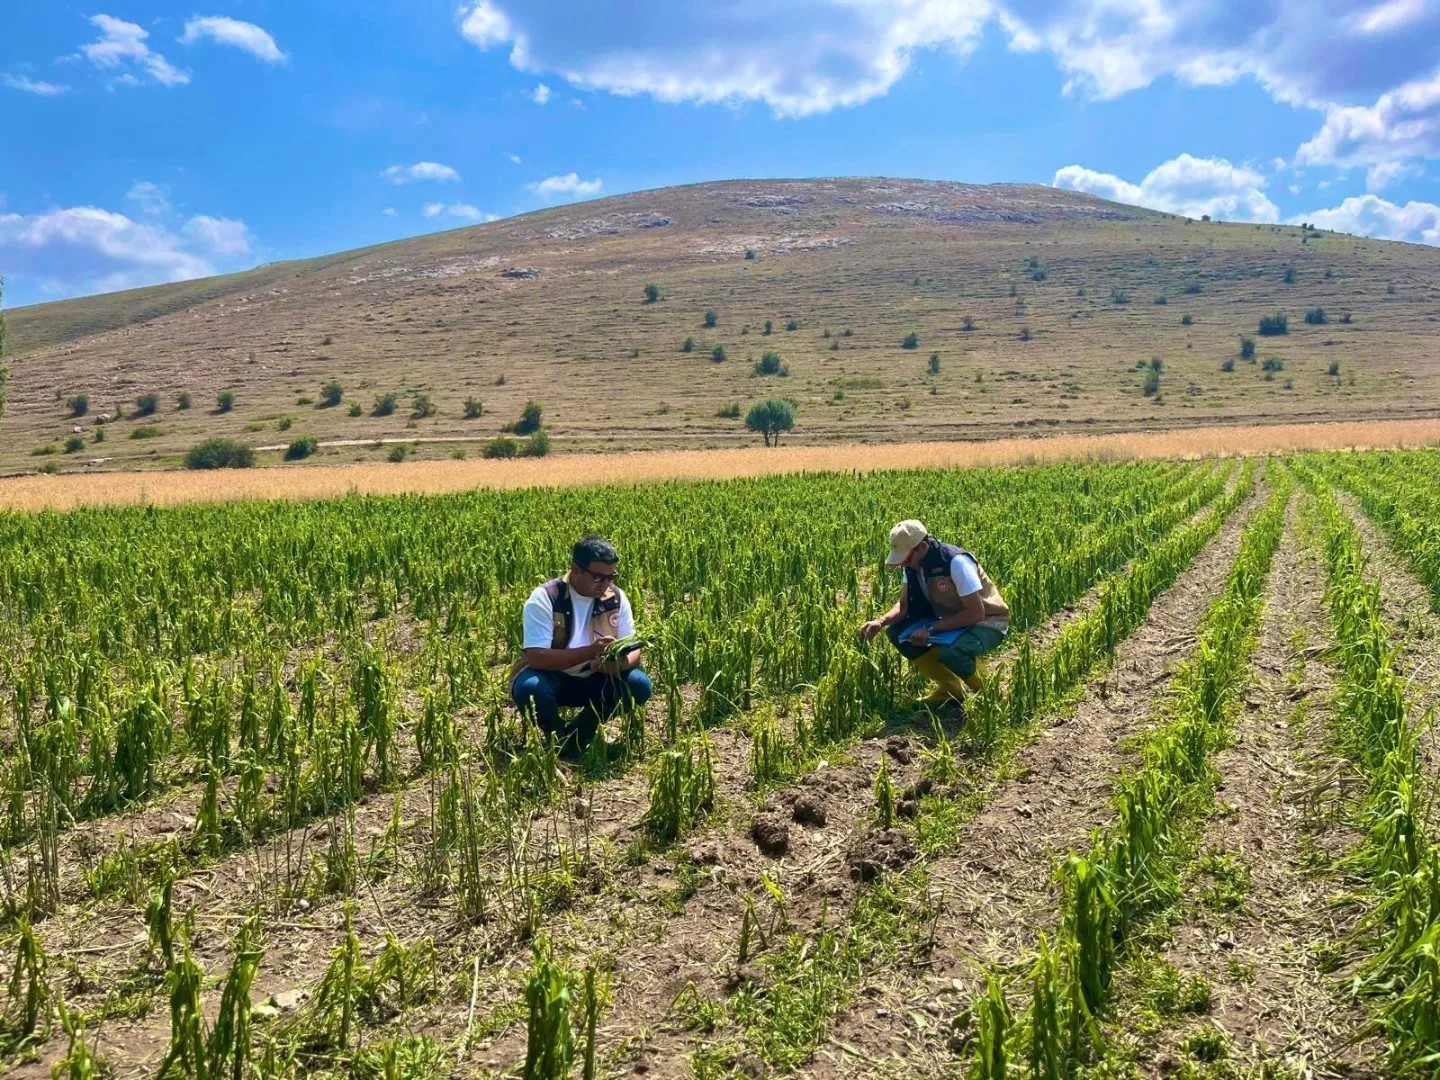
(797, 57)
(514, 158)
(88, 249)
(389, 211)
(806, 56)
(1403, 123)
(1184, 185)
(541, 94)
(1370, 215)
(421, 170)
(569, 186)
(485, 24)
(31, 86)
(1301, 53)
(122, 45)
(1379, 177)
(242, 35)
(1388, 17)
(463, 211)
(468, 212)
(220, 236)
(152, 199)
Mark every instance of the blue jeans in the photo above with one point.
(540, 695)
(960, 655)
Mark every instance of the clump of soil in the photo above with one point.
(900, 748)
(771, 834)
(808, 810)
(878, 851)
(909, 801)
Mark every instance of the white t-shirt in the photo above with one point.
(964, 571)
(539, 623)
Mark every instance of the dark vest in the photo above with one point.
(935, 568)
(604, 618)
(563, 605)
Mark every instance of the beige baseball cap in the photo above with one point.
(903, 538)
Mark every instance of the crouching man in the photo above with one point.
(569, 624)
(949, 613)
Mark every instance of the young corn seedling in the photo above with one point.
(335, 1002)
(993, 1020)
(79, 1062)
(550, 1034)
(29, 988)
(772, 756)
(229, 1048)
(590, 1010)
(682, 790)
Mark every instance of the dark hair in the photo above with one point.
(593, 548)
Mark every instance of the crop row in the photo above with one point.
(1397, 859)
(1130, 869)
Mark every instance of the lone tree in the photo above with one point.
(770, 417)
(652, 293)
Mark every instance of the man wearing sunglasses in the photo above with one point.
(569, 623)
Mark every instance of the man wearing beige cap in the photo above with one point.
(949, 613)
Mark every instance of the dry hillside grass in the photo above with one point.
(855, 265)
(29, 493)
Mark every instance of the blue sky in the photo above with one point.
(149, 141)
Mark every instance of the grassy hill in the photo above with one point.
(1042, 309)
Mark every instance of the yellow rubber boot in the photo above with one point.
(948, 685)
(977, 681)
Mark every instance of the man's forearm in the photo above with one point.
(891, 617)
(556, 659)
(958, 621)
(969, 615)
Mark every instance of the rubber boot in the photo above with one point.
(976, 681)
(948, 685)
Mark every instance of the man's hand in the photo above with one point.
(599, 645)
(871, 628)
(920, 637)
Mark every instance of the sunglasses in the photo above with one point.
(602, 579)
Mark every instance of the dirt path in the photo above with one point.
(1258, 924)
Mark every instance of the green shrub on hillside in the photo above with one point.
(219, 454)
(529, 421)
(301, 448)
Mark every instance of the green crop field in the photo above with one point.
(265, 809)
